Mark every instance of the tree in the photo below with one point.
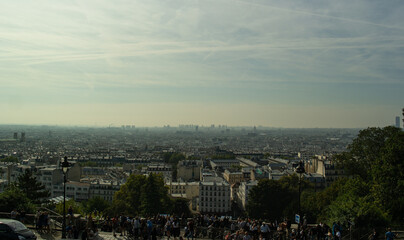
(377, 157)
(173, 158)
(268, 200)
(11, 159)
(180, 207)
(71, 202)
(315, 204)
(236, 167)
(34, 190)
(95, 203)
(142, 195)
(127, 199)
(14, 198)
(154, 197)
(355, 204)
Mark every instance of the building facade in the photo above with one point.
(214, 197)
(243, 191)
(189, 170)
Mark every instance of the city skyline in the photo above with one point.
(241, 63)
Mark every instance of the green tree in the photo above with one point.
(236, 167)
(34, 190)
(276, 199)
(377, 157)
(77, 208)
(11, 159)
(154, 197)
(355, 204)
(127, 199)
(14, 198)
(180, 207)
(268, 200)
(173, 158)
(315, 204)
(142, 195)
(95, 203)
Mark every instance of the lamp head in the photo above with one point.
(65, 166)
(300, 168)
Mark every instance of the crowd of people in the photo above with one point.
(214, 227)
(200, 226)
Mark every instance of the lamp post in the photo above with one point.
(300, 171)
(65, 168)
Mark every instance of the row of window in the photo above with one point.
(213, 205)
(214, 194)
(175, 191)
(214, 199)
(214, 188)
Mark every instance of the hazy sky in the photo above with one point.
(149, 63)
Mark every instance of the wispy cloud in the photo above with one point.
(106, 47)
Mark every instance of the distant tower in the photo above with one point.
(398, 122)
(15, 136)
(22, 137)
(403, 117)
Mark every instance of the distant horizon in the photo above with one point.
(184, 126)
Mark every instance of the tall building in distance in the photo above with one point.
(403, 116)
(22, 137)
(15, 136)
(398, 122)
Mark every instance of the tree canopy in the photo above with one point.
(9, 159)
(14, 198)
(142, 195)
(34, 190)
(95, 204)
(372, 196)
(376, 157)
(274, 200)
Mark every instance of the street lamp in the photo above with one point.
(300, 171)
(65, 168)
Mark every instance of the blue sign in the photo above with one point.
(297, 218)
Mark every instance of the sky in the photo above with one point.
(316, 63)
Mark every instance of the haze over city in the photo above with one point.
(153, 63)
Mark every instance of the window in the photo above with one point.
(4, 228)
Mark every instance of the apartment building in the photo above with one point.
(243, 191)
(214, 197)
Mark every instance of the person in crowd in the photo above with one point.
(390, 235)
(13, 214)
(374, 235)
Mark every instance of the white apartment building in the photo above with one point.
(214, 197)
(104, 189)
(51, 178)
(243, 191)
(14, 171)
(76, 190)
